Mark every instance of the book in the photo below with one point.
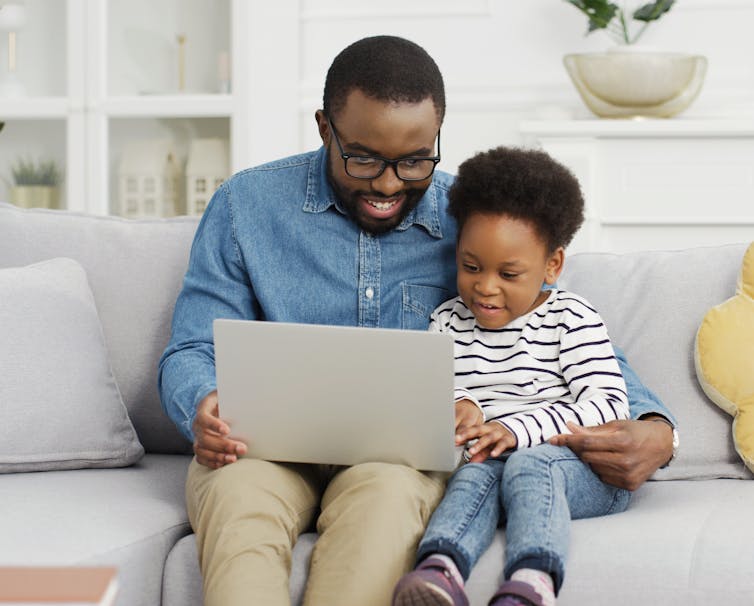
(65, 585)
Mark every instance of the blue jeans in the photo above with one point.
(537, 491)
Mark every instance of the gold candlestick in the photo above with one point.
(11, 51)
(181, 62)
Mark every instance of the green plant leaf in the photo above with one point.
(653, 11)
(27, 172)
(600, 12)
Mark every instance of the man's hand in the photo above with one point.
(621, 453)
(492, 440)
(212, 446)
(468, 414)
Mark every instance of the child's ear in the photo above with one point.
(554, 265)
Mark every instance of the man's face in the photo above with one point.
(368, 127)
(502, 263)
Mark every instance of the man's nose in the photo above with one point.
(388, 184)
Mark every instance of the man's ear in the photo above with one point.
(554, 265)
(322, 126)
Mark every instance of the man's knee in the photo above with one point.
(386, 487)
(234, 480)
(252, 487)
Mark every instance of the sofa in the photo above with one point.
(685, 539)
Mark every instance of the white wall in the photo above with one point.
(501, 59)
(502, 64)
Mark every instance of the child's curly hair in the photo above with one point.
(525, 184)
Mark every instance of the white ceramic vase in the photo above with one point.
(634, 82)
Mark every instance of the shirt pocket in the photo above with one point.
(418, 304)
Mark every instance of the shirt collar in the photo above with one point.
(320, 196)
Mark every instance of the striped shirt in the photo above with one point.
(552, 365)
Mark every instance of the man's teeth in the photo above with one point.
(382, 205)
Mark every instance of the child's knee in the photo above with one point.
(478, 473)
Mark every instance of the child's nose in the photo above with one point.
(487, 284)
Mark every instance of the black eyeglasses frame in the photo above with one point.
(385, 161)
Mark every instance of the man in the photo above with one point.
(355, 233)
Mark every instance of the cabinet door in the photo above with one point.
(34, 103)
(165, 95)
(120, 90)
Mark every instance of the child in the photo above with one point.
(528, 359)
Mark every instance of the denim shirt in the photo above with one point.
(275, 244)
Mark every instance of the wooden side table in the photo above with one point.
(47, 586)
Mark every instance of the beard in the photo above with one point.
(352, 203)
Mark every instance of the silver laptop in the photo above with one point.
(336, 394)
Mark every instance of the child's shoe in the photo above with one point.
(516, 593)
(430, 584)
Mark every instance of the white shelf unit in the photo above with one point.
(658, 184)
(110, 75)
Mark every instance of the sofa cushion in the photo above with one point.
(60, 405)
(183, 578)
(679, 543)
(724, 357)
(653, 303)
(129, 517)
(135, 269)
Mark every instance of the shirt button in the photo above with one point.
(369, 292)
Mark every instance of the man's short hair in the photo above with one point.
(387, 68)
(525, 184)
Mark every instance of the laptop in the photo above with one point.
(337, 394)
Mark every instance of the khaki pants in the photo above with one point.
(247, 516)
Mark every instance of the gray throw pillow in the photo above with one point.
(59, 403)
(652, 303)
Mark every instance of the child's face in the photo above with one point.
(502, 263)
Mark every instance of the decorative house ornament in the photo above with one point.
(207, 167)
(148, 179)
(630, 81)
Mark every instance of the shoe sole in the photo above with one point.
(425, 594)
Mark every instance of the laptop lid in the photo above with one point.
(336, 394)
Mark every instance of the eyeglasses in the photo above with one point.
(370, 167)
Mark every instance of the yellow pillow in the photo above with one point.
(724, 358)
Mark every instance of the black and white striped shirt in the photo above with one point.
(552, 365)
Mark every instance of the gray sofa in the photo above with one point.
(686, 539)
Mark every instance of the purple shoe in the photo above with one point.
(430, 584)
(516, 593)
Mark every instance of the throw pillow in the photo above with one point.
(60, 405)
(724, 357)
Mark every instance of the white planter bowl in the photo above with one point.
(630, 83)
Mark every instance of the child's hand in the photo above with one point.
(493, 439)
(467, 415)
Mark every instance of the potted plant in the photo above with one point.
(628, 80)
(35, 184)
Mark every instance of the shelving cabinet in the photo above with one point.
(100, 74)
(656, 184)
